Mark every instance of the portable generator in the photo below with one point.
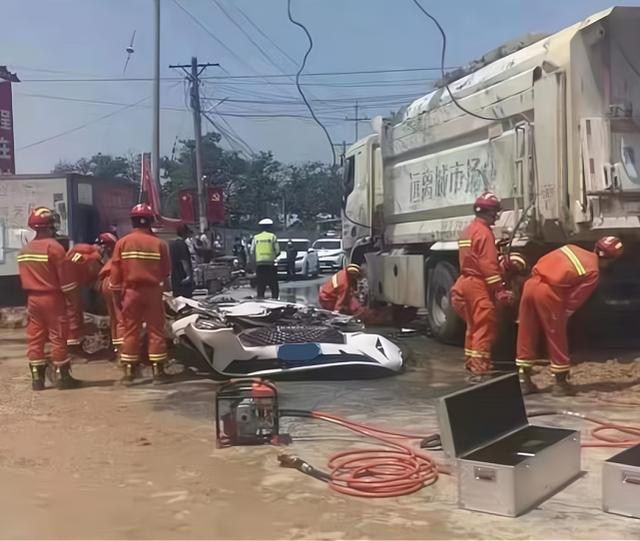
(246, 413)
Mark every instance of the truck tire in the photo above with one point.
(447, 327)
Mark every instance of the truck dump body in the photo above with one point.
(553, 102)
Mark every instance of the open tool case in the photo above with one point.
(621, 483)
(504, 465)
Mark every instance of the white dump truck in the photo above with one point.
(550, 123)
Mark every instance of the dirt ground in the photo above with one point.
(105, 462)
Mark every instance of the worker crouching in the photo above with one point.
(338, 294)
(107, 242)
(45, 276)
(140, 266)
(560, 284)
(479, 288)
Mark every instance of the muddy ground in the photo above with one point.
(105, 462)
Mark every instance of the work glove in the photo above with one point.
(504, 297)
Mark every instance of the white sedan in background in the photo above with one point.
(306, 263)
(330, 254)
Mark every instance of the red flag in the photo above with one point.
(7, 146)
(187, 210)
(150, 188)
(215, 205)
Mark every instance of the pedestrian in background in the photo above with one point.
(264, 250)
(181, 267)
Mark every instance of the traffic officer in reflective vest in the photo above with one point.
(107, 243)
(338, 294)
(560, 284)
(44, 273)
(265, 249)
(140, 266)
(84, 264)
(480, 286)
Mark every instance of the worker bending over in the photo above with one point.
(265, 249)
(338, 294)
(44, 273)
(480, 285)
(107, 243)
(140, 267)
(84, 265)
(560, 284)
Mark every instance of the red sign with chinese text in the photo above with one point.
(7, 147)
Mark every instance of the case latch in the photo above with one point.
(631, 478)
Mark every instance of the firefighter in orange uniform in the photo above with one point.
(107, 242)
(84, 265)
(560, 284)
(338, 293)
(480, 285)
(139, 267)
(44, 273)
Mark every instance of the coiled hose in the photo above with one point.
(397, 469)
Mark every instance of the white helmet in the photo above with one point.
(265, 221)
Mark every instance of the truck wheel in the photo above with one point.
(446, 325)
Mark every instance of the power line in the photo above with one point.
(78, 128)
(235, 77)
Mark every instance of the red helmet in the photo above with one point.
(487, 202)
(40, 217)
(610, 247)
(107, 238)
(142, 211)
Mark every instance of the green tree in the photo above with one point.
(103, 166)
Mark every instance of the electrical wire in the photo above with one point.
(442, 70)
(300, 70)
(78, 128)
(397, 469)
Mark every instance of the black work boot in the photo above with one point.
(63, 378)
(562, 387)
(160, 377)
(38, 371)
(129, 374)
(526, 385)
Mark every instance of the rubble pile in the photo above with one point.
(13, 317)
(610, 381)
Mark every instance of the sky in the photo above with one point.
(74, 100)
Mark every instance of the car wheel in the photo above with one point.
(316, 272)
(447, 327)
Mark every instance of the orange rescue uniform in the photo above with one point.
(139, 266)
(113, 308)
(561, 282)
(45, 276)
(336, 294)
(472, 296)
(84, 262)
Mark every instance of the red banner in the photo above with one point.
(215, 205)
(187, 207)
(7, 147)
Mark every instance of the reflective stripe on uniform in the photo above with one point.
(157, 357)
(76, 258)
(69, 287)
(265, 250)
(141, 255)
(559, 368)
(334, 280)
(464, 243)
(128, 358)
(73, 342)
(493, 279)
(574, 259)
(33, 258)
(476, 353)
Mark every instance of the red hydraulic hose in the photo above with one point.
(398, 469)
(601, 440)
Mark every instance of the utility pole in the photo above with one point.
(193, 76)
(356, 119)
(155, 147)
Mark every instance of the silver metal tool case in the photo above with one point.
(621, 483)
(504, 465)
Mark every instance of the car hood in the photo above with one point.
(328, 253)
